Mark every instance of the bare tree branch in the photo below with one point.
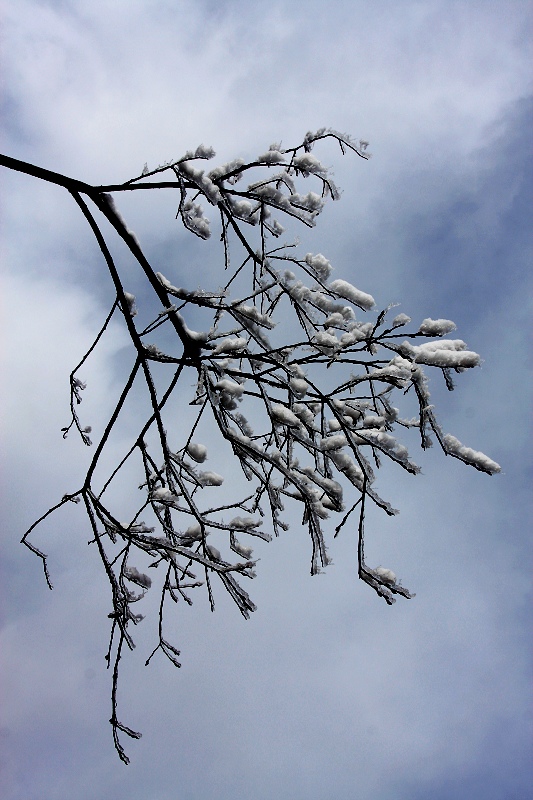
(287, 370)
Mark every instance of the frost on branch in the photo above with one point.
(300, 388)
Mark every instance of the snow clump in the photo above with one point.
(402, 319)
(473, 457)
(285, 416)
(386, 575)
(210, 479)
(230, 346)
(299, 386)
(355, 296)
(243, 550)
(198, 452)
(164, 495)
(133, 574)
(194, 531)
(436, 327)
(213, 552)
(244, 523)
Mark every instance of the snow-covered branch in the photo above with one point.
(295, 379)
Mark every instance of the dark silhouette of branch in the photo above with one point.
(287, 370)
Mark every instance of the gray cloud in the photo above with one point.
(325, 691)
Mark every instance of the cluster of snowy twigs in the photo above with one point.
(306, 408)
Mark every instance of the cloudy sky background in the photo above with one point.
(326, 692)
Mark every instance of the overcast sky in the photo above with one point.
(326, 692)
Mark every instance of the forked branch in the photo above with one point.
(288, 369)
